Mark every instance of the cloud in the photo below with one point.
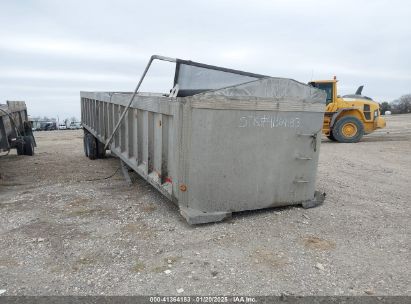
(69, 48)
(64, 75)
(49, 51)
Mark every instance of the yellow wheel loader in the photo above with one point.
(348, 118)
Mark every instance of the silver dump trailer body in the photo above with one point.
(222, 141)
(15, 128)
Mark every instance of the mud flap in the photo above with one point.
(195, 217)
(124, 169)
(316, 201)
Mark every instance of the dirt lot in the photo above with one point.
(62, 234)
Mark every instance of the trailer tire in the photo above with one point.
(101, 152)
(28, 146)
(91, 146)
(20, 148)
(348, 129)
(85, 143)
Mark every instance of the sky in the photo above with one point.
(51, 50)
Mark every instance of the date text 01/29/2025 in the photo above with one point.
(269, 121)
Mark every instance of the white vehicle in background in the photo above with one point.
(75, 125)
(62, 127)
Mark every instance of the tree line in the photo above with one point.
(401, 105)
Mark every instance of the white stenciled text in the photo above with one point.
(269, 121)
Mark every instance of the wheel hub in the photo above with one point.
(349, 130)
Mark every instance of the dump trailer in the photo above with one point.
(220, 141)
(15, 128)
(348, 118)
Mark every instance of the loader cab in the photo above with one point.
(329, 86)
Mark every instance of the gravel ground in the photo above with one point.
(62, 234)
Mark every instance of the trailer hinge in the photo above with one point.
(301, 181)
(314, 139)
(301, 157)
(314, 142)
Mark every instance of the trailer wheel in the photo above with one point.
(20, 148)
(28, 146)
(101, 152)
(91, 146)
(85, 143)
(348, 129)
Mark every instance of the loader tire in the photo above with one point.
(331, 137)
(348, 129)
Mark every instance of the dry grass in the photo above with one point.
(171, 259)
(313, 242)
(269, 258)
(139, 266)
(159, 269)
(139, 228)
(149, 208)
(81, 201)
(7, 262)
(84, 261)
(83, 211)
